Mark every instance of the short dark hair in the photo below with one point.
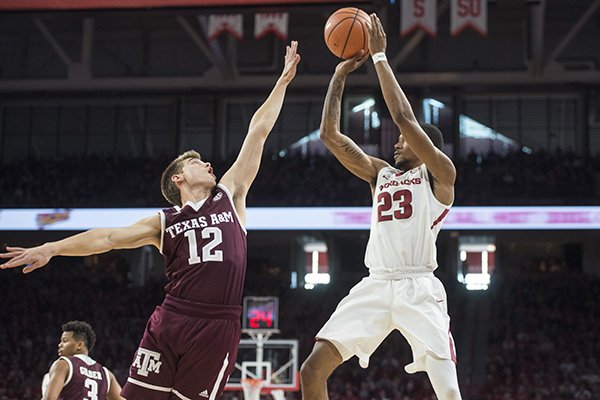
(81, 331)
(434, 134)
(169, 189)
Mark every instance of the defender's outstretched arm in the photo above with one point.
(94, 241)
(243, 171)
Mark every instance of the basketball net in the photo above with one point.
(252, 388)
(278, 394)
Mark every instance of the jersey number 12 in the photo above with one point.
(208, 250)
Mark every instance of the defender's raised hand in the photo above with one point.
(292, 58)
(347, 66)
(377, 38)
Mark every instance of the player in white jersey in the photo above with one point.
(410, 203)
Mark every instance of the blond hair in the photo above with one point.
(168, 188)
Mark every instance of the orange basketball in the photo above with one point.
(346, 32)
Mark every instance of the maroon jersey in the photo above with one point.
(87, 379)
(204, 246)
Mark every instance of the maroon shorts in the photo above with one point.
(187, 352)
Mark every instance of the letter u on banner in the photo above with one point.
(465, 13)
(418, 14)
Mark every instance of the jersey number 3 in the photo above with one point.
(386, 200)
(208, 250)
(93, 389)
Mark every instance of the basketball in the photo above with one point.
(346, 32)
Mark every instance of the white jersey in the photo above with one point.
(405, 222)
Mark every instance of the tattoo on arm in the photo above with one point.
(332, 112)
(333, 100)
(352, 151)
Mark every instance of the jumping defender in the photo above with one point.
(190, 342)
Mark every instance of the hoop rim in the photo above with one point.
(267, 389)
(253, 388)
(252, 381)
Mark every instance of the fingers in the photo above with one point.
(11, 264)
(373, 25)
(14, 262)
(11, 254)
(380, 27)
(362, 60)
(15, 248)
(17, 255)
(34, 266)
(30, 264)
(359, 57)
(376, 27)
(12, 251)
(291, 50)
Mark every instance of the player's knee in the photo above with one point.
(321, 362)
(309, 371)
(315, 369)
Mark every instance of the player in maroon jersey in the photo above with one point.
(190, 343)
(75, 376)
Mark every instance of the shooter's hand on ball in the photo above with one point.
(377, 38)
(346, 67)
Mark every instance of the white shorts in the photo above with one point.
(415, 306)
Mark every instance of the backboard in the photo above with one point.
(277, 363)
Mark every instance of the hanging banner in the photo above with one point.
(418, 14)
(102, 4)
(465, 13)
(276, 23)
(219, 23)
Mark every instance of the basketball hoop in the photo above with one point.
(278, 394)
(252, 388)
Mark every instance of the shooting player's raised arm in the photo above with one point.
(440, 166)
(343, 148)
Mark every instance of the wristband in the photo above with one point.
(378, 57)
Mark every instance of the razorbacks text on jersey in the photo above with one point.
(87, 379)
(405, 222)
(204, 246)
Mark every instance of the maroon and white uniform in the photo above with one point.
(191, 340)
(87, 379)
